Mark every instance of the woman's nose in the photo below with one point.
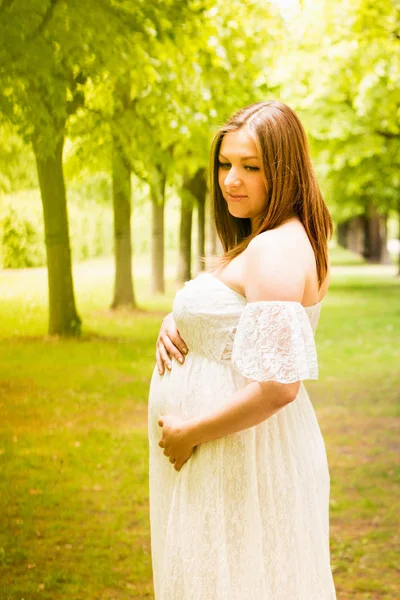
(232, 178)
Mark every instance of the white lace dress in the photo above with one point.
(246, 518)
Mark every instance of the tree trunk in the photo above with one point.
(63, 317)
(201, 233)
(194, 188)
(201, 221)
(372, 248)
(122, 191)
(355, 234)
(185, 237)
(385, 256)
(375, 245)
(342, 229)
(157, 192)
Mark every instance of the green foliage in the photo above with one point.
(94, 187)
(175, 71)
(22, 230)
(344, 78)
(17, 163)
(91, 231)
(91, 221)
(21, 240)
(195, 68)
(47, 51)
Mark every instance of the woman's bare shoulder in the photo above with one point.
(289, 235)
(274, 267)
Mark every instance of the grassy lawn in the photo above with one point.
(73, 445)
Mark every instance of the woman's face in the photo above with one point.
(240, 177)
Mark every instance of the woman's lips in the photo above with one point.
(235, 198)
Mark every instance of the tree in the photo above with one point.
(40, 92)
(122, 193)
(344, 79)
(138, 105)
(199, 187)
(47, 52)
(185, 232)
(229, 67)
(192, 193)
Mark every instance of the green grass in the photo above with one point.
(342, 257)
(73, 451)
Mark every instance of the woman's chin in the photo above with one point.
(235, 211)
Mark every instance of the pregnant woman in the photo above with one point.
(239, 480)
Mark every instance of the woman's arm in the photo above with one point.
(248, 407)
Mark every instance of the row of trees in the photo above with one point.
(139, 86)
(351, 67)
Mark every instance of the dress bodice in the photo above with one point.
(207, 313)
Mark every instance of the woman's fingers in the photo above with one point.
(169, 327)
(179, 343)
(164, 357)
(171, 347)
(160, 364)
(172, 460)
(169, 344)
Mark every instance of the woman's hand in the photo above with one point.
(175, 440)
(169, 343)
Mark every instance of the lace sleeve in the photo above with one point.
(274, 341)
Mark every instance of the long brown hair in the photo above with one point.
(291, 185)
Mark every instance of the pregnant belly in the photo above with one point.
(192, 389)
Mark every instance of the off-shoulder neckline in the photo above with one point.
(266, 301)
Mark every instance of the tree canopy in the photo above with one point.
(150, 82)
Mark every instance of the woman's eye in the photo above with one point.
(225, 165)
